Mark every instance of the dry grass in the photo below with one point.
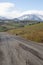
(32, 32)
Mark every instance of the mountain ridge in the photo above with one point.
(25, 17)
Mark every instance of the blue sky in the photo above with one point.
(26, 4)
(20, 6)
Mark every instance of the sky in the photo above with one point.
(16, 8)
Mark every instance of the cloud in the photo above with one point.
(14, 14)
(6, 5)
(33, 12)
(8, 10)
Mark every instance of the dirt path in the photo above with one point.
(17, 51)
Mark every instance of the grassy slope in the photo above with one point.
(30, 32)
(12, 25)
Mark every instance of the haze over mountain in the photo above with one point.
(31, 17)
(26, 17)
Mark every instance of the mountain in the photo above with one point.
(25, 17)
(33, 17)
(16, 19)
(2, 18)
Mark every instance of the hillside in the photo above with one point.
(30, 32)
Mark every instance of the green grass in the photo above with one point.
(30, 32)
(13, 25)
(2, 29)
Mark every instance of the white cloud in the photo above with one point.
(33, 12)
(4, 7)
(13, 14)
(8, 10)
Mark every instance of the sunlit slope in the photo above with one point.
(30, 32)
